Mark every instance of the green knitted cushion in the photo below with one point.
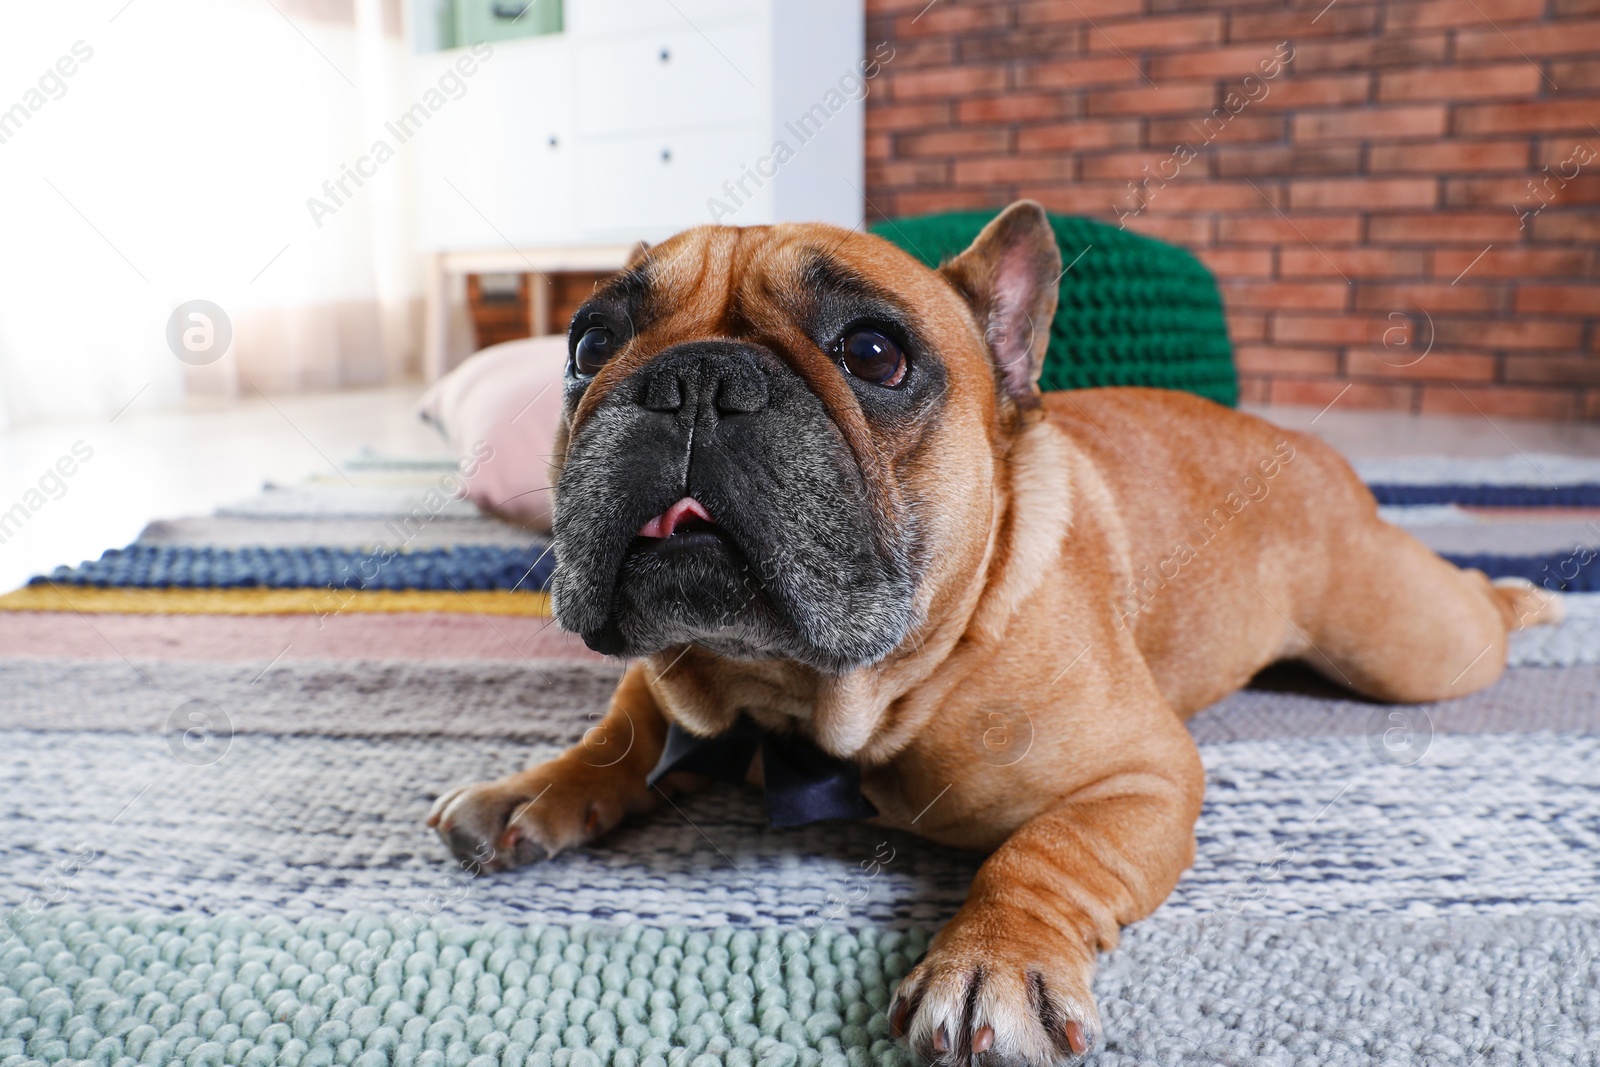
(1134, 310)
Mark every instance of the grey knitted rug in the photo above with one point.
(1343, 908)
(223, 861)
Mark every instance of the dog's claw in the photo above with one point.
(898, 1013)
(1008, 1003)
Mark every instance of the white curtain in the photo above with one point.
(155, 152)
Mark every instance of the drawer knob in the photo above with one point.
(666, 155)
(554, 141)
(666, 55)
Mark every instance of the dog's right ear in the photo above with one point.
(1009, 276)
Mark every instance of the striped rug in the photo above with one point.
(219, 744)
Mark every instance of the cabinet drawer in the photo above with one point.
(506, 147)
(673, 79)
(591, 17)
(652, 187)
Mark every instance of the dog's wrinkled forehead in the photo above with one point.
(791, 289)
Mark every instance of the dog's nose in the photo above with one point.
(712, 375)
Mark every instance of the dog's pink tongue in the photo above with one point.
(665, 523)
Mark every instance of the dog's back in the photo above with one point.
(1246, 543)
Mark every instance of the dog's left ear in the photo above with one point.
(1009, 277)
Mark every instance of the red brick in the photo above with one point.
(1174, 97)
(1336, 21)
(951, 18)
(1526, 193)
(1314, 393)
(1433, 366)
(1566, 157)
(1019, 43)
(1514, 42)
(1506, 334)
(1432, 297)
(1371, 124)
(1000, 170)
(1368, 53)
(1439, 14)
(1254, 390)
(1331, 90)
(908, 173)
(1164, 7)
(1189, 231)
(967, 141)
(1573, 8)
(1498, 401)
(928, 202)
(1171, 33)
(1238, 262)
(1078, 73)
(1013, 107)
(1456, 227)
(1240, 129)
(1127, 166)
(1269, 360)
(1040, 11)
(951, 82)
(923, 52)
(1306, 262)
(1251, 162)
(1189, 193)
(1539, 116)
(1099, 199)
(1271, 296)
(1553, 225)
(1554, 370)
(887, 116)
(1571, 75)
(1244, 326)
(1511, 262)
(1559, 299)
(1234, 61)
(878, 146)
(1273, 229)
(1083, 134)
(1370, 193)
(1445, 156)
(1459, 83)
(1327, 329)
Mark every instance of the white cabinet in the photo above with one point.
(659, 183)
(645, 117)
(671, 79)
(495, 164)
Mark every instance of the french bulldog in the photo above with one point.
(804, 481)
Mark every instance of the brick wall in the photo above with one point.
(1354, 197)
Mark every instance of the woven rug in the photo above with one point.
(217, 747)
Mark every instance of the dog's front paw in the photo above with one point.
(1004, 990)
(495, 826)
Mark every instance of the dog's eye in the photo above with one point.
(872, 357)
(595, 349)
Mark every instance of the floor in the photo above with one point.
(163, 464)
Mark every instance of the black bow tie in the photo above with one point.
(803, 783)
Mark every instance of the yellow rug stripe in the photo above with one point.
(314, 601)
